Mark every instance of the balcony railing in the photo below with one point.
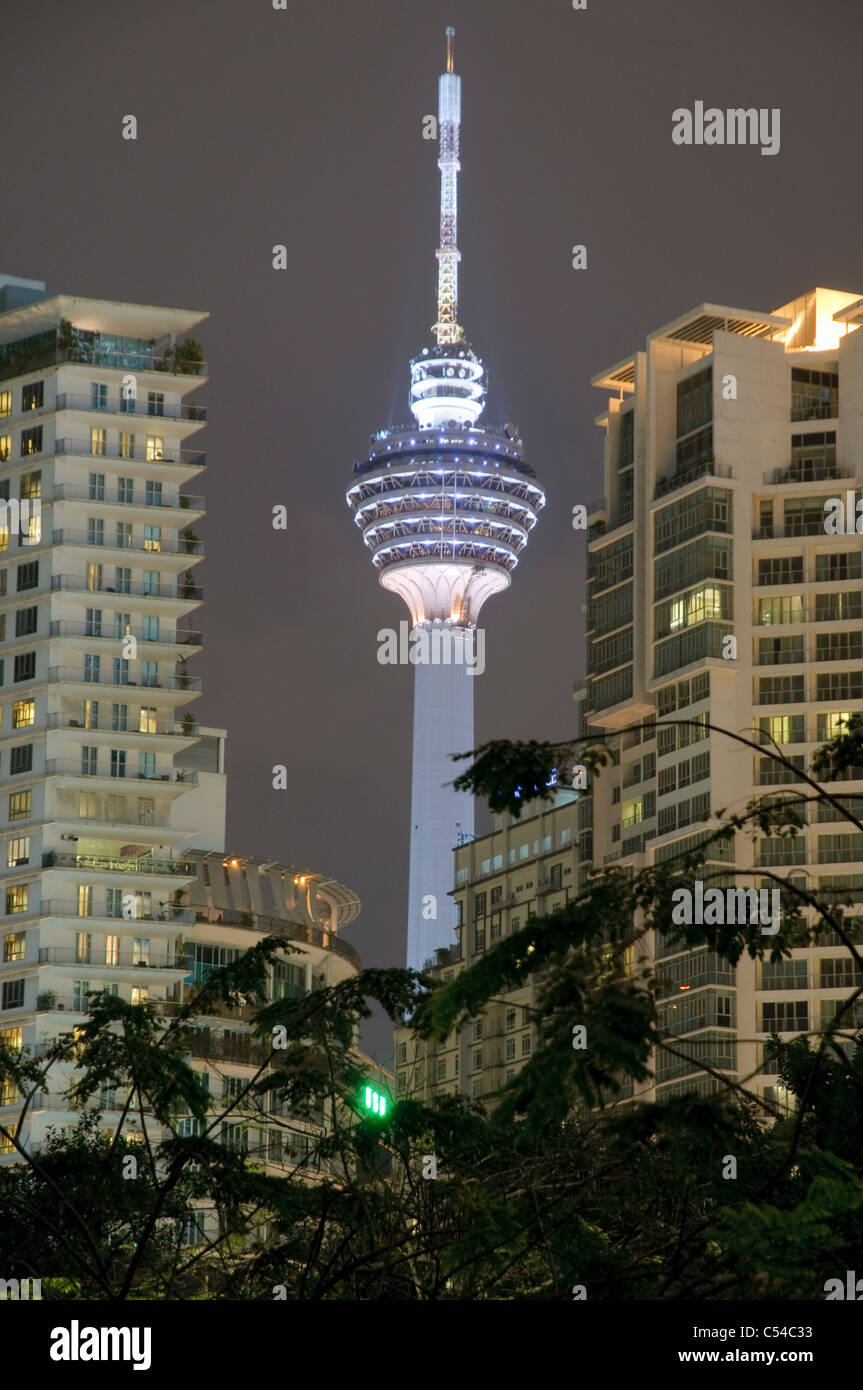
(159, 546)
(122, 960)
(68, 767)
(59, 907)
(173, 729)
(183, 501)
(18, 361)
(131, 864)
(794, 852)
(166, 639)
(277, 926)
(778, 531)
(189, 458)
(706, 468)
(808, 576)
(150, 411)
(91, 676)
(78, 584)
(807, 473)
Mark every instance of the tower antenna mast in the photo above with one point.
(447, 329)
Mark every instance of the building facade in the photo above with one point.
(112, 799)
(97, 593)
(717, 591)
(525, 868)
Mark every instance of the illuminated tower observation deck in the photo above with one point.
(445, 509)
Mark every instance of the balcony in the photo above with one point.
(706, 468)
(78, 675)
(780, 532)
(158, 546)
(157, 411)
(173, 729)
(808, 576)
(59, 907)
(188, 458)
(131, 864)
(74, 583)
(167, 639)
(65, 492)
(278, 926)
(59, 767)
(807, 472)
(18, 360)
(793, 852)
(122, 960)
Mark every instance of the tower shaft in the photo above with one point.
(443, 725)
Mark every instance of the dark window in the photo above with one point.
(13, 994)
(26, 621)
(25, 667)
(28, 575)
(21, 759)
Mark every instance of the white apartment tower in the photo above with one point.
(726, 437)
(98, 767)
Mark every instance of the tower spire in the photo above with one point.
(447, 329)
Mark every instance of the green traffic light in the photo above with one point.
(375, 1102)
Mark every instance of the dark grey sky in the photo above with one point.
(303, 127)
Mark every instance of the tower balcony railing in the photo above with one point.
(83, 676)
(80, 584)
(68, 400)
(178, 638)
(117, 863)
(143, 453)
(161, 545)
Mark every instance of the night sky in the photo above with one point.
(304, 127)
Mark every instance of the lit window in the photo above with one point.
(147, 719)
(23, 713)
(19, 851)
(14, 946)
(20, 805)
(155, 447)
(17, 898)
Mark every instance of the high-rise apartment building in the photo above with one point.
(718, 591)
(114, 872)
(96, 592)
